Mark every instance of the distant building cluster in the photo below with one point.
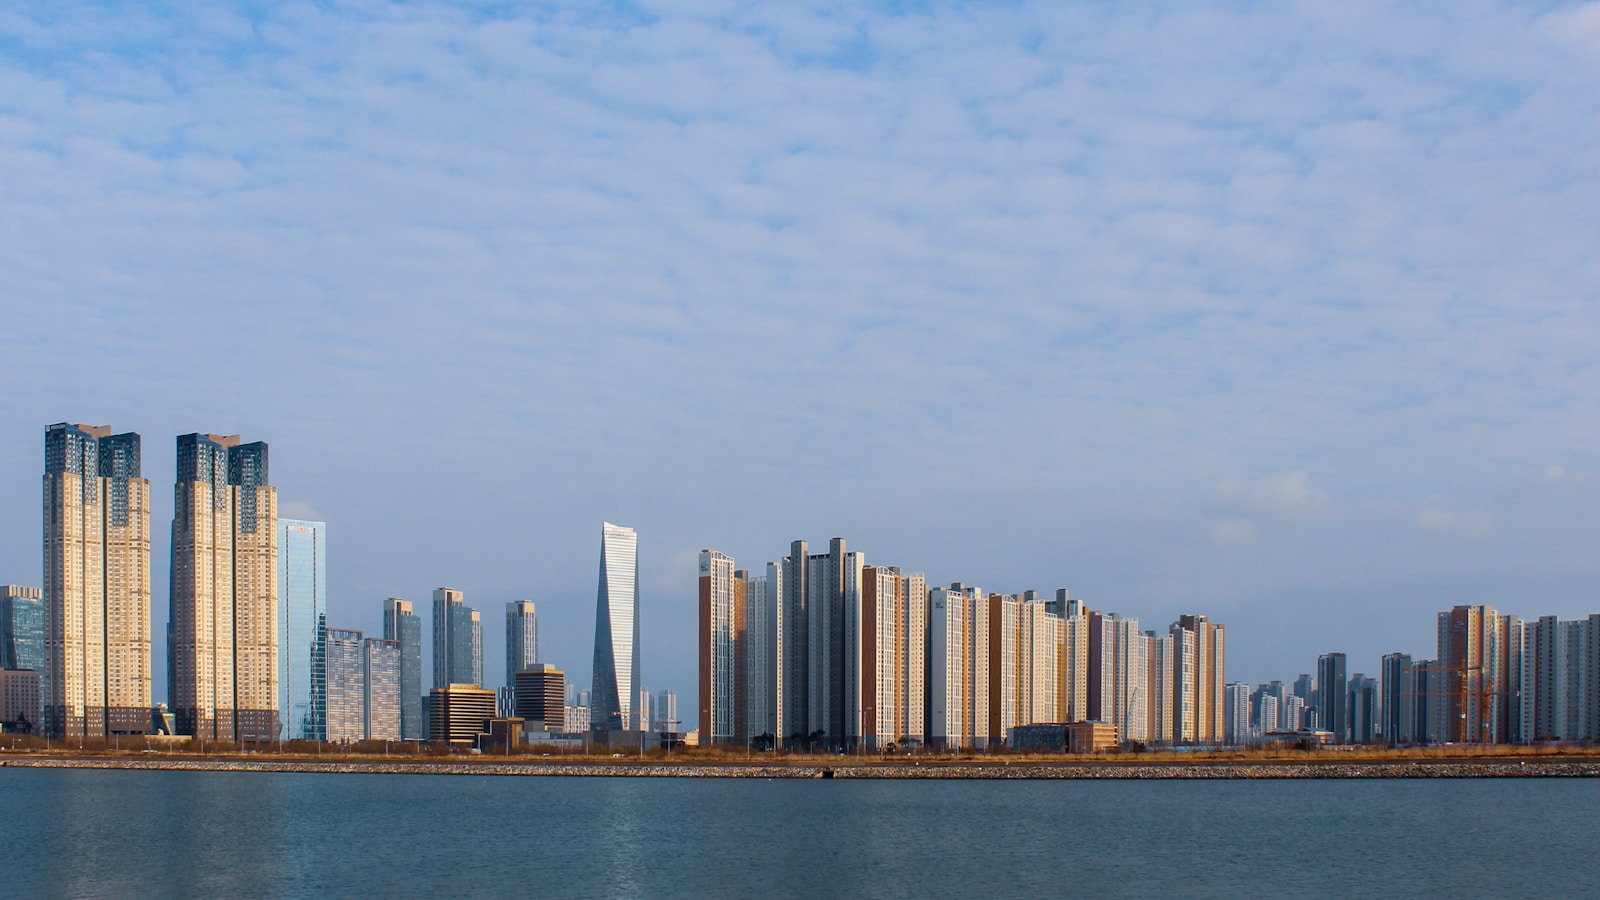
(1495, 679)
(251, 656)
(815, 651)
(823, 650)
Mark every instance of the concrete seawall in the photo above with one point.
(1198, 770)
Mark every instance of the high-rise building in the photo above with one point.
(664, 712)
(22, 629)
(1132, 669)
(522, 639)
(1304, 687)
(1333, 713)
(1363, 706)
(795, 660)
(643, 711)
(616, 631)
(721, 697)
(1118, 675)
(457, 640)
(380, 661)
(1399, 700)
(302, 614)
(946, 684)
(96, 678)
(1292, 716)
(403, 626)
(1038, 661)
(346, 680)
(225, 628)
(763, 652)
(20, 706)
(1076, 634)
(911, 705)
(974, 668)
(576, 719)
(1199, 690)
(459, 713)
(825, 644)
(1235, 713)
(540, 692)
(881, 669)
(1164, 685)
(1471, 663)
(1005, 666)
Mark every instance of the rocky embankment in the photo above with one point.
(1213, 770)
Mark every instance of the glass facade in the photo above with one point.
(404, 627)
(457, 640)
(381, 660)
(522, 639)
(347, 686)
(302, 611)
(616, 630)
(21, 628)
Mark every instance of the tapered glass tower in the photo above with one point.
(616, 632)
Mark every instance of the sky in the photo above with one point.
(1281, 313)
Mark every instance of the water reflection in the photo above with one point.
(125, 834)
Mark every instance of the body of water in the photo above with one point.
(126, 833)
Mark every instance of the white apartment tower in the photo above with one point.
(911, 704)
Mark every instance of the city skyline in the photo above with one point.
(247, 604)
(223, 462)
(1280, 312)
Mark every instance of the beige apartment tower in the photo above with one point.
(224, 623)
(97, 677)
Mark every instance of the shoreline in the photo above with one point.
(1160, 771)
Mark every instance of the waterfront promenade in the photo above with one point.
(1328, 765)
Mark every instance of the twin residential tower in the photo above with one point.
(223, 633)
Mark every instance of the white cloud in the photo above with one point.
(482, 278)
(1437, 518)
(1287, 497)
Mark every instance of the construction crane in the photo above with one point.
(1462, 693)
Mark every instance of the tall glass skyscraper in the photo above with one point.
(404, 627)
(21, 628)
(616, 631)
(457, 640)
(522, 639)
(302, 612)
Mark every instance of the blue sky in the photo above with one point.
(1283, 313)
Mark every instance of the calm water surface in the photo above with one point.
(112, 833)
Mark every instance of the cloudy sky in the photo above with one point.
(1285, 313)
